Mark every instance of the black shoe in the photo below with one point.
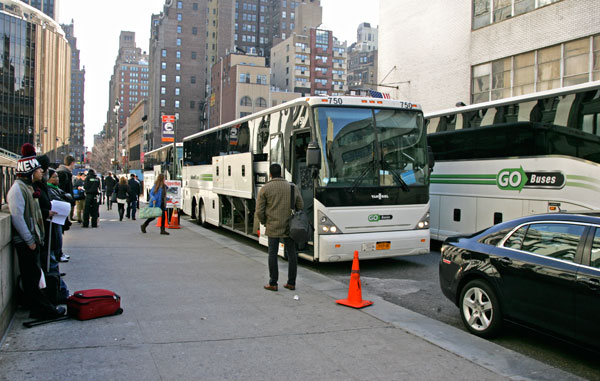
(143, 227)
(133, 218)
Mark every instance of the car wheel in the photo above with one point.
(479, 309)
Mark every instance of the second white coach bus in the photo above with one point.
(500, 160)
(361, 165)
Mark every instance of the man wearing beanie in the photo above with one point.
(28, 233)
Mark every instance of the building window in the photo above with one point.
(246, 101)
(193, 79)
(261, 79)
(177, 66)
(179, 5)
(261, 102)
(163, 65)
(179, 29)
(162, 103)
(192, 105)
(179, 18)
(177, 91)
(163, 90)
(194, 30)
(163, 77)
(195, 6)
(483, 14)
(163, 52)
(576, 62)
(177, 79)
(178, 43)
(176, 104)
(194, 55)
(178, 54)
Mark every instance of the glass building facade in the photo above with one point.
(17, 81)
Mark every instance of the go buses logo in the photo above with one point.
(517, 179)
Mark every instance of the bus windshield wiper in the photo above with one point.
(360, 178)
(396, 175)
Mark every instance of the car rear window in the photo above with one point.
(515, 241)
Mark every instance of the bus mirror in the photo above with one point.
(313, 156)
(430, 159)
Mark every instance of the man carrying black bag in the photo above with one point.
(273, 211)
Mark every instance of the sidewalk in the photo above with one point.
(195, 309)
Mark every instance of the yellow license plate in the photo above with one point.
(383, 245)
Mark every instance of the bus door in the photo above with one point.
(301, 174)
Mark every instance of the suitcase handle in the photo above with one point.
(80, 295)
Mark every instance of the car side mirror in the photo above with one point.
(313, 156)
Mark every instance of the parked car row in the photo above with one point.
(542, 271)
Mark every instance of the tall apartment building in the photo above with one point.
(312, 64)
(362, 59)
(49, 7)
(187, 38)
(129, 83)
(479, 50)
(35, 81)
(75, 143)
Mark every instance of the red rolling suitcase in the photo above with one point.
(94, 303)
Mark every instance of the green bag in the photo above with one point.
(150, 212)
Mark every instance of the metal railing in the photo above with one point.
(7, 178)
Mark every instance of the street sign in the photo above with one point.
(168, 128)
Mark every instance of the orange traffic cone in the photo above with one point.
(355, 291)
(174, 223)
(159, 219)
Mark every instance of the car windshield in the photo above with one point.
(366, 147)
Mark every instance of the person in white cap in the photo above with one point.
(28, 233)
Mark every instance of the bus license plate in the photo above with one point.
(383, 245)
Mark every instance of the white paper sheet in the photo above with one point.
(62, 210)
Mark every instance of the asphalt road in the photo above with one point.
(412, 282)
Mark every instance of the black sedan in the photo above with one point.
(542, 271)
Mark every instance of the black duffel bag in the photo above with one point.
(301, 230)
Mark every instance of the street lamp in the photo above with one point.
(116, 131)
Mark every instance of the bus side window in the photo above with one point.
(244, 138)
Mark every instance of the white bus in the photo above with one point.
(513, 157)
(361, 165)
(158, 161)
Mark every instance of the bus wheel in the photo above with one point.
(202, 215)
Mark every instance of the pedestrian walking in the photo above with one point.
(158, 199)
(79, 195)
(28, 234)
(92, 190)
(122, 196)
(111, 183)
(273, 211)
(134, 192)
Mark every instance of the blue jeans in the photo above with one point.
(131, 207)
(290, 249)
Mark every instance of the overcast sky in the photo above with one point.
(99, 23)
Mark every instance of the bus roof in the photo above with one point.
(331, 101)
(166, 146)
(520, 98)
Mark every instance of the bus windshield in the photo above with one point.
(372, 147)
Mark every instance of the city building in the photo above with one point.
(35, 79)
(74, 144)
(49, 7)
(187, 38)
(362, 59)
(129, 84)
(311, 64)
(135, 134)
(442, 53)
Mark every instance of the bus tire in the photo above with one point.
(202, 215)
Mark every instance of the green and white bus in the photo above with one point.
(513, 157)
(161, 160)
(361, 166)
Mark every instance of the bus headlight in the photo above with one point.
(326, 226)
(424, 223)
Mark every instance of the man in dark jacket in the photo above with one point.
(110, 183)
(134, 192)
(273, 211)
(65, 177)
(92, 189)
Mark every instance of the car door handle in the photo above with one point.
(505, 261)
(592, 283)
